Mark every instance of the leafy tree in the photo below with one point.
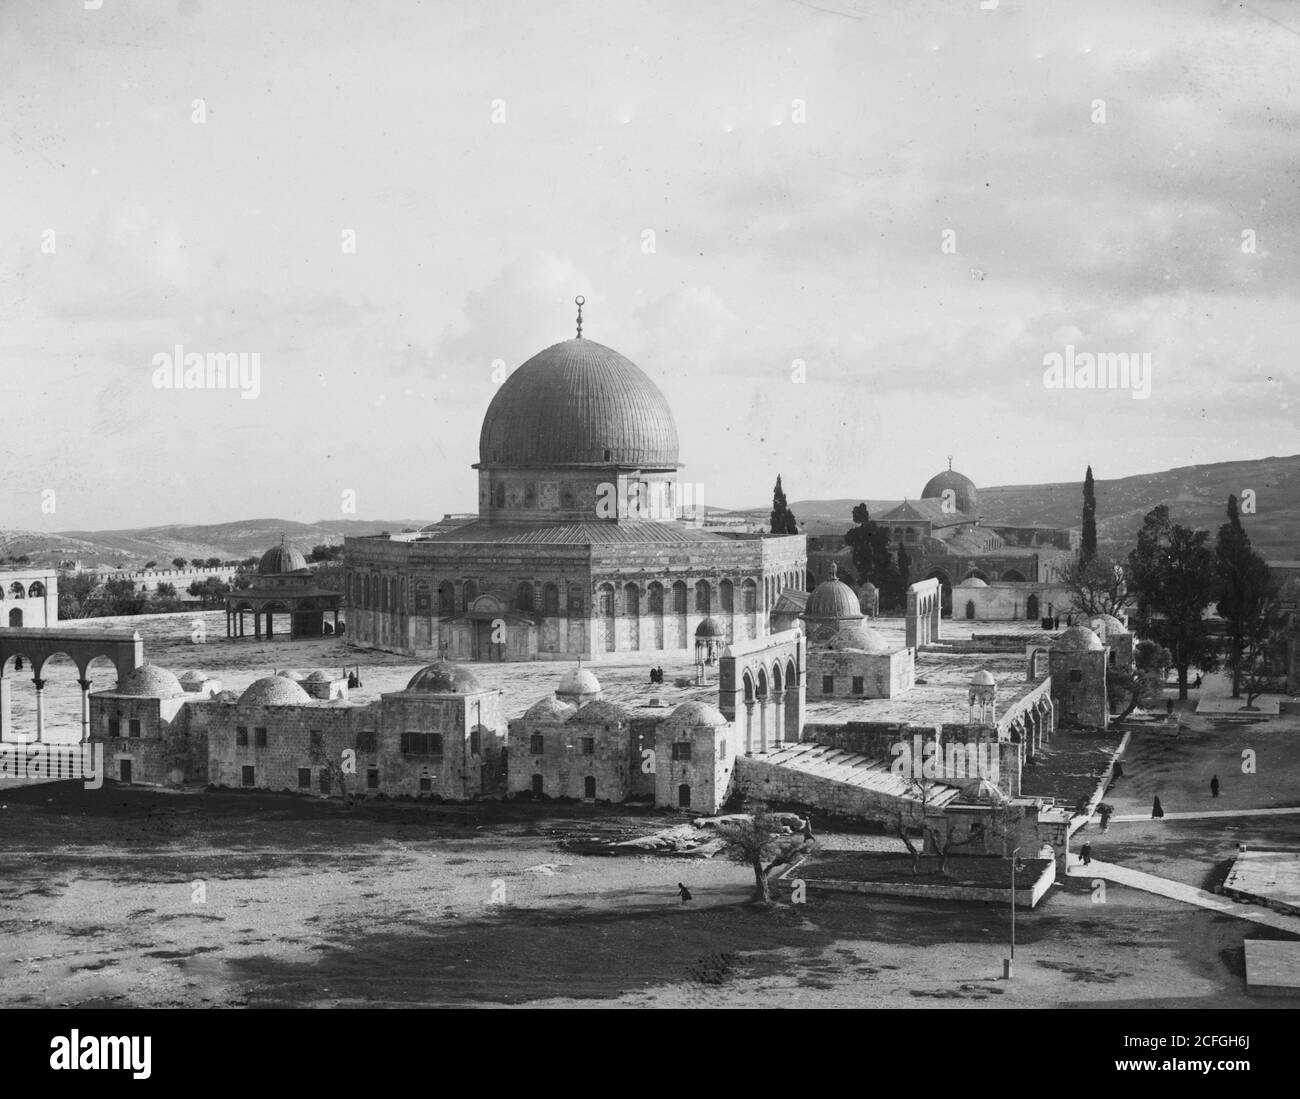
(165, 598)
(904, 568)
(1088, 547)
(1171, 572)
(243, 578)
(78, 594)
(1097, 586)
(325, 552)
(756, 838)
(119, 596)
(1144, 683)
(212, 563)
(197, 562)
(151, 564)
(179, 562)
(783, 520)
(1246, 589)
(210, 591)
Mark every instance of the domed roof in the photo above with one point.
(579, 403)
(972, 582)
(274, 690)
(192, 676)
(982, 678)
(710, 629)
(150, 681)
(833, 599)
(320, 675)
(443, 678)
(282, 558)
(600, 713)
(1106, 624)
(1078, 639)
(550, 709)
(694, 714)
(578, 681)
(868, 588)
(858, 636)
(982, 792)
(966, 496)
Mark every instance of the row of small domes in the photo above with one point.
(556, 711)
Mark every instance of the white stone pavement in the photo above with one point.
(1177, 891)
(1206, 814)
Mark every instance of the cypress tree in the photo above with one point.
(1088, 549)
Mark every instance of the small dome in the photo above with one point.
(982, 678)
(1104, 625)
(274, 690)
(695, 714)
(972, 582)
(982, 792)
(600, 713)
(443, 678)
(965, 496)
(868, 589)
(289, 673)
(833, 599)
(710, 630)
(320, 675)
(227, 696)
(281, 558)
(578, 681)
(1077, 639)
(192, 676)
(550, 709)
(150, 681)
(858, 637)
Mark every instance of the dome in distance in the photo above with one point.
(281, 558)
(709, 630)
(578, 681)
(579, 403)
(982, 678)
(274, 690)
(833, 599)
(972, 582)
(1078, 639)
(965, 497)
(443, 678)
(550, 709)
(695, 714)
(150, 681)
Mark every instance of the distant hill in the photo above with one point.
(1197, 497)
(244, 538)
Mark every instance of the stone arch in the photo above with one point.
(17, 591)
(468, 593)
(16, 618)
(37, 590)
(703, 597)
(1013, 576)
(726, 597)
(605, 615)
(524, 597)
(970, 610)
(1031, 606)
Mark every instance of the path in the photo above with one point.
(1206, 814)
(1177, 891)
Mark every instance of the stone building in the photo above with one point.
(579, 547)
(1117, 638)
(141, 723)
(286, 585)
(846, 658)
(978, 600)
(695, 758)
(29, 598)
(1077, 662)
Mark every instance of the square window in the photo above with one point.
(828, 684)
(366, 740)
(304, 777)
(259, 735)
(535, 743)
(433, 744)
(372, 778)
(589, 746)
(114, 726)
(317, 740)
(1076, 676)
(134, 727)
(248, 776)
(241, 736)
(857, 685)
(682, 750)
(426, 784)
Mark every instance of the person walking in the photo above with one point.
(1214, 787)
(1157, 810)
(685, 893)
(1085, 853)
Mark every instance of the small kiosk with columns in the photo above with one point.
(761, 687)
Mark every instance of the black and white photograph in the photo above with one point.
(655, 505)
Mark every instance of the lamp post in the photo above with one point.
(1009, 964)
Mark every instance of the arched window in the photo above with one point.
(468, 594)
(499, 495)
(550, 600)
(383, 594)
(606, 604)
(970, 608)
(446, 599)
(703, 597)
(365, 591)
(726, 597)
(37, 590)
(632, 600)
(16, 590)
(679, 597)
(524, 596)
(749, 596)
(910, 534)
(656, 594)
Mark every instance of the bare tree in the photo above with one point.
(1097, 586)
(762, 841)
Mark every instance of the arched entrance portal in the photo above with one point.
(970, 609)
(15, 618)
(1031, 607)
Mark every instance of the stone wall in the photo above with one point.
(706, 776)
(882, 675)
(772, 783)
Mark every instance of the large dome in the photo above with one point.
(833, 599)
(281, 558)
(965, 496)
(579, 403)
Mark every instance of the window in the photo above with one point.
(475, 742)
(304, 777)
(241, 736)
(722, 749)
(828, 684)
(317, 740)
(324, 782)
(421, 744)
(589, 746)
(133, 727)
(426, 784)
(259, 736)
(114, 726)
(535, 743)
(1076, 676)
(857, 685)
(247, 778)
(372, 778)
(682, 750)
(366, 740)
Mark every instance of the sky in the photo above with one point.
(844, 238)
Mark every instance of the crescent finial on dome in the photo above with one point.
(580, 301)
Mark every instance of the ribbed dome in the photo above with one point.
(274, 690)
(1078, 639)
(1104, 625)
(600, 713)
(983, 678)
(444, 678)
(972, 582)
(982, 792)
(694, 714)
(549, 709)
(579, 403)
(281, 558)
(150, 681)
(710, 630)
(833, 599)
(966, 496)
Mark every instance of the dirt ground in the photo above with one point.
(129, 896)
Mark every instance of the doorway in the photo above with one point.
(124, 769)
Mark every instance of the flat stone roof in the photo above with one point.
(1273, 966)
(1269, 876)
